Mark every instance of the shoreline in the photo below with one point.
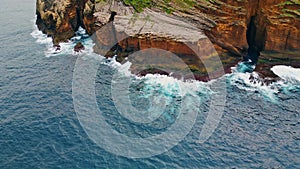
(123, 31)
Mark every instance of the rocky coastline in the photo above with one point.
(61, 19)
(265, 32)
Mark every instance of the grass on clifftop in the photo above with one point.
(290, 9)
(167, 5)
(139, 5)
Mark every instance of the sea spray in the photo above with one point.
(66, 48)
(290, 79)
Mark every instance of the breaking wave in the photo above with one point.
(250, 81)
(66, 48)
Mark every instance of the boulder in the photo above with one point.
(79, 47)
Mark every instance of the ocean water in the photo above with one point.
(40, 127)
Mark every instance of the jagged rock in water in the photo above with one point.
(79, 47)
(57, 47)
(260, 79)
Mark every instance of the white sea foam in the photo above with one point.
(286, 72)
(243, 82)
(238, 78)
(192, 87)
(40, 37)
(168, 84)
(66, 48)
(288, 82)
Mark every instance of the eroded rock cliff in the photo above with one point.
(60, 19)
(238, 29)
(243, 29)
(237, 25)
(265, 31)
(131, 32)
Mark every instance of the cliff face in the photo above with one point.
(262, 25)
(243, 29)
(265, 31)
(270, 28)
(131, 32)
(235, 26)
(61, 19)
(282, 25)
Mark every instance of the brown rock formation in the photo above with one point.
(271, 27)
(237, 29)
(132, 32)
(61, 19)
(275, 24)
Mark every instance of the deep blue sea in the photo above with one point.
(40, 126)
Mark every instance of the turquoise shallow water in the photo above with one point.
(39, 128)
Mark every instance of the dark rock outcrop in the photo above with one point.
(61, 19)
(79, 47)
(57, 47)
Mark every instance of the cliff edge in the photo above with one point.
(264, 32)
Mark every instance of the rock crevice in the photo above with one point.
(253, 49)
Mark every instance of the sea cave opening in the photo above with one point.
(253, 50)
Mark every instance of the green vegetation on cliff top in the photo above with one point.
(170, 6)
(167, 5)
(139, 5)
(288, 9)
